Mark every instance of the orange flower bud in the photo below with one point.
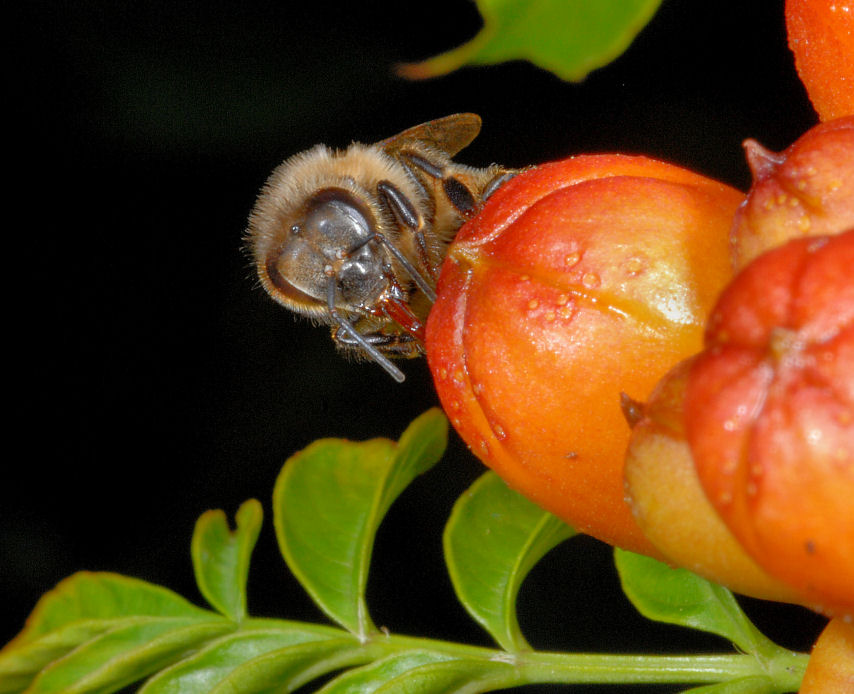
(830, 669)
(821, 35)
(807, 190)
(671, 507)
(579, 280)
(770, 415)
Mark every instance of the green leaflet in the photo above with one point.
(289, 668)
(125, 654)
(201, 672)
(570, 38)
(329, 501)
(221, 557)
(468, 676)
(373, 677)
(677, 596)
(493, 538)
(123, 627)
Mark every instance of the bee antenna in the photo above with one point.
(347, 327)
(422, 283)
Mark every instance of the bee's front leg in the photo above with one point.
(408, 218)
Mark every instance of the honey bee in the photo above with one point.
(355, 238)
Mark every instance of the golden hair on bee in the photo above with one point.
(354, 238)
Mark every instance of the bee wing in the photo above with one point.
(449, 134)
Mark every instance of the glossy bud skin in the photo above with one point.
(578, 281)
(770, 415)
(670, 506)
(821, 36)
(830, 669)
(807, 190)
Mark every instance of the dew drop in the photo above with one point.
(459, 376)
(572, 259)
(634, 266)
(549, 316)
(499, 432)
(590, 280)
(533, 303)
(562, 299)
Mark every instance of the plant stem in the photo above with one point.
(533, 667)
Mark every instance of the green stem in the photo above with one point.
(786, 668)
(782, 670)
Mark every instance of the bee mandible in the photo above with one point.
(355, 238)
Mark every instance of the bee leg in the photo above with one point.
(402, 345)
(407, 217)
(456, 191)
(357, 339)
(497, 182)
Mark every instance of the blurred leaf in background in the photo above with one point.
(570, 38)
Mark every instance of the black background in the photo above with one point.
(151, 379)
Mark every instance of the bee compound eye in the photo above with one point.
(297, 272)
(336, 222)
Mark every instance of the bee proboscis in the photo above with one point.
(355, 238)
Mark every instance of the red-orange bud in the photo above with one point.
(579, 280)
(770, 415)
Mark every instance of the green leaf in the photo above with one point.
(677, 596)
(20, 664)
(287, 669)
(328, 502)
(455, 676)
(493, 538)
(101, 595)
(570, 38)
(201, 672)
(370, 678)
(98, 630)
(126, 654)
(221, 557)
